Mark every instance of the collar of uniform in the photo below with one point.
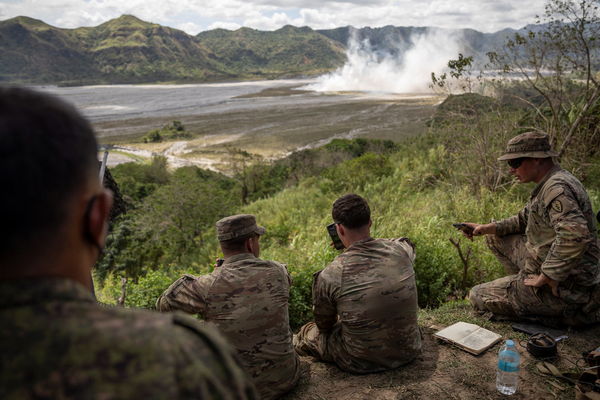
(239, 257)
(360, 242)
(37, 290)
(552, 171)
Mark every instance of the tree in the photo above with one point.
(558, 59)
(461, 70)
(137, 180)
(245, 168)
(175, 216)
(168, 225)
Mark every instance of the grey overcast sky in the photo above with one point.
(194, 16)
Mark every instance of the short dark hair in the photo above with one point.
(47, 152)
(352, 211)
(236, 244)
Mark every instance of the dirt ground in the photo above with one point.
(446, 372)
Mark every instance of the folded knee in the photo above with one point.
(475, 298)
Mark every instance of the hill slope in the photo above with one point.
(288, 50)
(31, 49)
(129, 50)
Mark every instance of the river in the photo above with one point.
(120, 102)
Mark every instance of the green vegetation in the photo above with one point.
(173, 130)
(416, 188)
(129, 50)
(286, 51)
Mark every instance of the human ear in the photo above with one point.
(340, 230)
(249, 245)
(97, 218)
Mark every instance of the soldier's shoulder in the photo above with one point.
(564, 178)
(400, 241)
(336, 265)
(273, 263)
(137, 324)
(560, 183)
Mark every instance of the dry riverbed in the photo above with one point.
(274, 131)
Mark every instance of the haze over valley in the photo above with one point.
(265, 92)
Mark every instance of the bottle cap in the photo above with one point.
(510, 343)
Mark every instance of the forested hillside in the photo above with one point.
(129, 50)
(416, 188)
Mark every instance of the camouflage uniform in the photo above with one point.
(247, 298)
(365, 307)
(555, 234)
(58, 343)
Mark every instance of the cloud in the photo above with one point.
(232, 26)
(272, 22)
(190, 28)
(192, 15)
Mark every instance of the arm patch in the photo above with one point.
(551, 194)
(557, 206)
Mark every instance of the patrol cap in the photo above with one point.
(528, 144)
(237, 227)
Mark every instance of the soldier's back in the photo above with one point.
(57, 342)
(248, 301)
(377, 305)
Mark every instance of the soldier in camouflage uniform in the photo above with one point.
(365, 301)
(56, 341)
(550, 248)
(247, 298)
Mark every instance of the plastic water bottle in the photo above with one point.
(507, 377)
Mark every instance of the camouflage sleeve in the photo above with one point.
(572, 235)
(515, 224)
(188, 294)
(326, 288)
(408, 246)
(207, 368)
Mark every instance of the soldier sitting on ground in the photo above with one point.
(550, 248)
(365, 301)
(247, 298)
(55, 340)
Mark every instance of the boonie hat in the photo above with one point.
(528, 144)
(237, 227)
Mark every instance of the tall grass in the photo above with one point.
(417, 192)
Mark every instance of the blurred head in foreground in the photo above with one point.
(54, 207)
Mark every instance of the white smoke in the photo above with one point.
(408, 72)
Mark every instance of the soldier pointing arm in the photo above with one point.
(549, 249)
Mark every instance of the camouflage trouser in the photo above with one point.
(510, 251)
(510, 297)
(310, 342)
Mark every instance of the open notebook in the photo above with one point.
(469, 337)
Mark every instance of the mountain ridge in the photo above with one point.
(129, 50)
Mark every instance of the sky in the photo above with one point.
(193, 16)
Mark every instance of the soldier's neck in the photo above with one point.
(230, 254)
(543, 169)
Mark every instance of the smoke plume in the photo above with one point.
(407, 71)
